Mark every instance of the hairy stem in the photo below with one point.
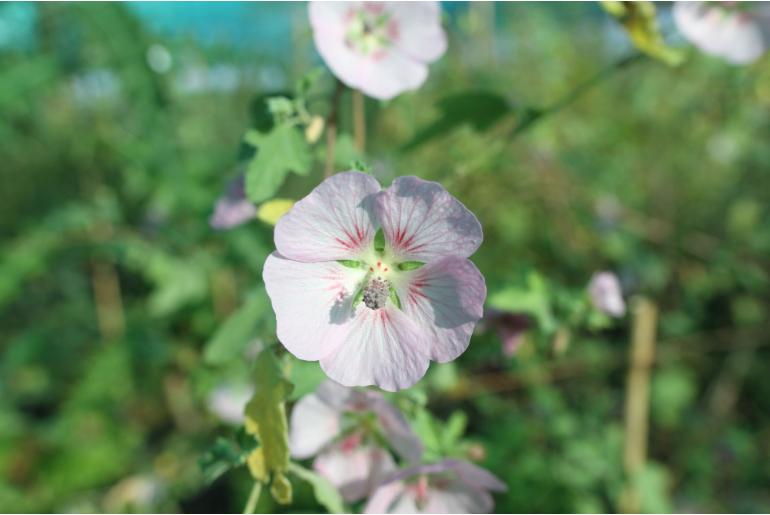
(331, 128)
(251, 504)
(359, 121)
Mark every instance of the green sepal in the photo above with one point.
(351, 263)
(358, 297)
(394, 298)
(409, 265)
(379, 242)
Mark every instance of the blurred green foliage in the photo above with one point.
(121, 310)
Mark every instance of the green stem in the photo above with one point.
(251, 504)
(530, 117)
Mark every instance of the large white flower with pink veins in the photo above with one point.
(346, 430)
(381, 48)
(738, 32)
(376, 283)
(452, 486)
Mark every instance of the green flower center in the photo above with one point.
(370, 30)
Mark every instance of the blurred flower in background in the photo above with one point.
(381, 48)
(228, 402)
(606, 295)
(738, 32)
(451, 486)
(345, 430)
(233, 209)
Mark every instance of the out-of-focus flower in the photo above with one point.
(452, 486)
(376, 310)
(344, 428)
(606, 295)
(381, 48)
(159, 58)
(738, 32)
(233, 208)
(141, 493)
(228, 402)
(510, 327)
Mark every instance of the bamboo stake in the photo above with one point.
(645, 318)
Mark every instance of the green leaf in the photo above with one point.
(454, 429)
(221, 457)
(280, 151)
(533, 298)
(325, 493)
(410, 265)
(394, 297)
(305, 376)
(479, 109)
(266, 420)
(238, 330)
(280, 107)
(360, 166)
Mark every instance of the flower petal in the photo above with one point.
(382, 347)
(397, 430)
(446, 299)
(312, 303)
(733, 35)
(421, 221)
(332, 223)
(458, 497)
(314, 423)
(418, 28)
(355, 472)
(387, 496)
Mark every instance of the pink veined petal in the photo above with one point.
(445, 299)
(418, 29)
(397, 430)
(382, 347)
(332, 223)
(312, 304)
(355, 472)
(385, 497)
(421, 221)
(314, 423)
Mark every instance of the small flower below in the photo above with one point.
(347, 431)
(451, 486)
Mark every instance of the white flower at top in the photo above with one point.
(738, 32)
(380, 48)
(347, 430)
(451, 486)
(376, 283)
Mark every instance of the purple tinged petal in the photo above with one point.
(446, 299)
(314, 424)
(396, 429)
(355, 471)
(233, 208)
(421, 221)
(332, 223)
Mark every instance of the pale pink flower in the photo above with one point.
(344, 429)
(376, 316)
(380, 48)
(606, 295)
(738, 32)
(233, 208)
(452, 486)
(511, 328)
